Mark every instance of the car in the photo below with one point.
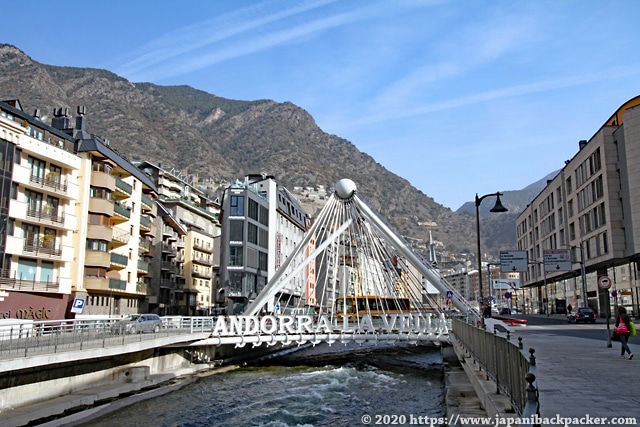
(582, 314)
(137, 323)
(505, 310)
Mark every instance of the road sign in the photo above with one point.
(604, 282)
(449, 294)
(512, 261)
(78, 305)
(556, 260)
(507, 294)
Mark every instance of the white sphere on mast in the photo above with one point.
(345, 188)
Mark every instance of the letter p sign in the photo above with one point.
(78, 305)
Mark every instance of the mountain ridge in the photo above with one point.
(223, 139)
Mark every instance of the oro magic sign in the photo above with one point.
(306, 324)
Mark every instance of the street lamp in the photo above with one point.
(497, 208)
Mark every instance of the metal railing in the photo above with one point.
(17, 283)
(24, 338)
(505, 363)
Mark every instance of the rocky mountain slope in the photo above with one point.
(223, 139)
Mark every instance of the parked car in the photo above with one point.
(582, 314)
(137, 323)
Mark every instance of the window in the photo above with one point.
(252, 233)
(99, 166)
(97, 219)
(235, 281)
(262, 261)
(236, 233)
(264, 216)
(97, 245)
(237, 206)
(253, 209)
(235, 256)
(100, 193)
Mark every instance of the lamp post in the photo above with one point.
(497, 208)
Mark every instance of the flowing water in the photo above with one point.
(317, 386)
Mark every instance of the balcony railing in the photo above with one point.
(46, 214)
(53, 182)
(17, 283)
(143, 266)
(202, 247)
(121, 210)
(123, 186)
(42, 248)
(146, 201)
(119, 259)
(144, 245)
(145, 222)
(121, 236)
(117, 284)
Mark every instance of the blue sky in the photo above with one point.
(457, 97)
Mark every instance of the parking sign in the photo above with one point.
(78, 305)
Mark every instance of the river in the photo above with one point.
(318, 386)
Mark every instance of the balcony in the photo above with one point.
(101, 206)
(203, 247)
(99, 232)
(141, 288)
(143, 267)
(169, 249)
(104, 284)
(121, 213)
(42, 249)
(168, 283)
(202, 260)
(51, 184)
(19, 284)
(144, 245)
(118, 261)
(97, 259)
(147, 203)
(103, 180)
(122, 189)
(117, 284)
(168, 266)
(199, 273)
(119, 237)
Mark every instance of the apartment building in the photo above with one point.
(592, 209)
(39, 193)
(185, 261)
(262, 224)
(78, 220)
(115, 226)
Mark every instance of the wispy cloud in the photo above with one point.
(205, 33)
(507, 92)
(234, 35)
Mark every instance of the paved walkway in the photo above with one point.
(580, 377)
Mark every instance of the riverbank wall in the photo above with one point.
(469, 395)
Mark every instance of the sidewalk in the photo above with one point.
(579, 377)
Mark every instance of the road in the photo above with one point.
(558, 325)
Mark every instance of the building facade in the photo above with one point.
(592, 209)
(262, 224)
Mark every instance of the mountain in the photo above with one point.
(210, 137)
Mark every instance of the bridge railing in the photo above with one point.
(512, 370)
(27, 338)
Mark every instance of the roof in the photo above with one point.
(96, 144)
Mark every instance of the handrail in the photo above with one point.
(505, 363)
